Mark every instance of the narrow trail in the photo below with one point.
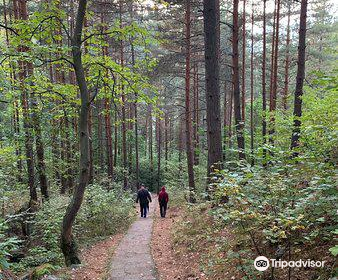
(132, 259)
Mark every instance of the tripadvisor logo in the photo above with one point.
(262, 263)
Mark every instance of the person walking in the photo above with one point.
(163, 199)
(144, 197)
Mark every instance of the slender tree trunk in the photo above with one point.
(272, 54)
(264, 84)
(243, 60)
(235, 65)
(16, 115)
(68, 245)
(41, 167)
(188, 124)
(20, 11)
(137, 164)
(212, 45)
(252, 89)
(231, 93)
(287, 61)
(151, 155)
(124, 103)
(166, 125)
(158, 130)
(40, 151)
(116, 131)
(297, 111)
(100, 134)
(196, 115)
(107, 121)
(273, 96)
(90, 122)
(227, 109)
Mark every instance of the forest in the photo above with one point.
(231, 105)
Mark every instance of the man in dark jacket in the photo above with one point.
(163, 199)
(144, 197)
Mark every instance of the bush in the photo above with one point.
(7, 245)
(103, 213)
(281, 210)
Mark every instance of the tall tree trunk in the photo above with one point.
(151, 155)
(116, 131)
(124, 103)
(272, 53)
(188, 124)
(264, 84)
(297, 110)
(107, 115)
(90, 121)
(107, 121)
(41, 167)
(212, 46)
(252, 88)
(158, 132)
(16, 115)
(196, 115)
(287, 61)
(243, 60)
(273, 96)
(68, 245)
(100, 134)
(137, 164)
(235, 65)
(227, 108)
(20, 11)
(166, 126)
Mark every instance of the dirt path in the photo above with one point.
(132, 259)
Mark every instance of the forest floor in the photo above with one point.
(171, 263)
(96, 259)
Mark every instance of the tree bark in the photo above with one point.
(235, 77)
(252, 89)
(137, 164)
(124, 102)
(158, 130)
(151, 155)
(212, 46)
(264, 84)
(243, 60)
(68, 244)
(297, 110)
(20, 11)
(196, 115)
(287, 61)
(273, 96)
(188, 124)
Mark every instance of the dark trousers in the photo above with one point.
(163, 209)
(144, 208)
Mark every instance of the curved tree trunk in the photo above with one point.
(68, 244)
